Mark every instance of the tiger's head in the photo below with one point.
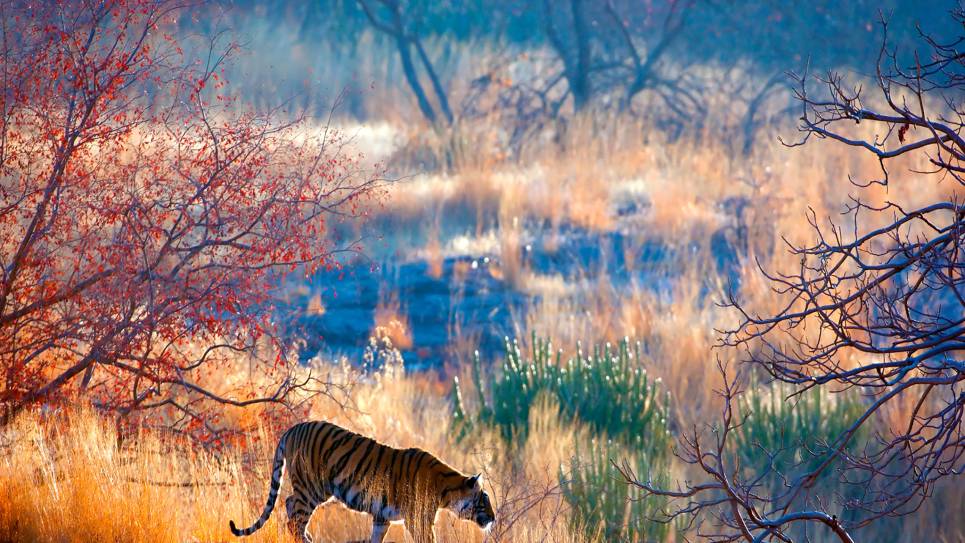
(472, 503)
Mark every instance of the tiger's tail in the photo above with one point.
(277, 472)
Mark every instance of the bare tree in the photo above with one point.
(573, 52)
(601, 54)
(393, 23)
(602, 49)
(751, 122)
(643, 64)
(879, 310)
(736, 503)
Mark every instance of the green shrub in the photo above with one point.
(604, 506)
(608, 390)
(783, 438)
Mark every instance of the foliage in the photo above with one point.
(783, 434)
(604, 504)
(608, 390)
(144, 219)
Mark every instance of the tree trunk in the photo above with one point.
(413, 79)
(434, 79)
(580, 74)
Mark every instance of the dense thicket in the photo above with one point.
(769, 33)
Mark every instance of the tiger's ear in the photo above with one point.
(474, 480)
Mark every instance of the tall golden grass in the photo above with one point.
(66, 476)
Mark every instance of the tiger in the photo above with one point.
(326, 461)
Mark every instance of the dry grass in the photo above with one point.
(65, 477)
(390, 318)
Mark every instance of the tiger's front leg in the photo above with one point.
(380, 527)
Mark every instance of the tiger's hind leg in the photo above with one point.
(300, 509)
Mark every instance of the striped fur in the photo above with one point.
(326, 461)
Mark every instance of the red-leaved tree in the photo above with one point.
(145, 218)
